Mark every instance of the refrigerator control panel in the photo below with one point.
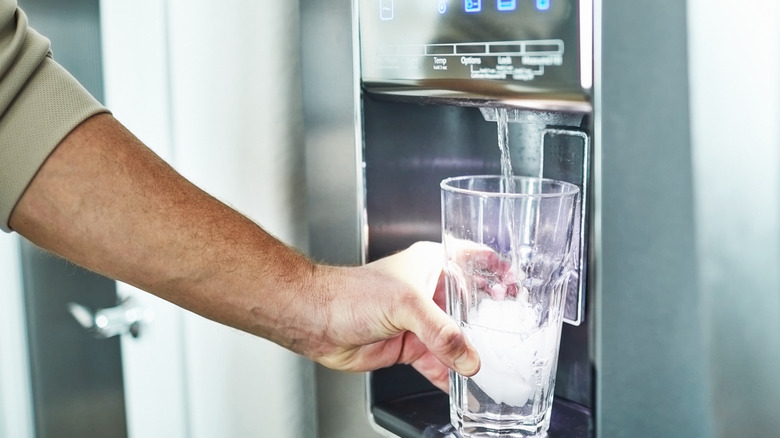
(484, 49)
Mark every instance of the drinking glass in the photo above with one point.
(510, 253)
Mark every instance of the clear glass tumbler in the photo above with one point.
(510, 253)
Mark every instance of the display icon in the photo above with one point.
(506, 5)
(442, 6)
(543, 5)
(472, 5)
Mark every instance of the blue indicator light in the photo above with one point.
(506, 5)
(442, 6)
(472, 5)
(542, 5)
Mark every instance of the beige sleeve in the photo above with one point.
(40, 103)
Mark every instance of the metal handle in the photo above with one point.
(112, 321)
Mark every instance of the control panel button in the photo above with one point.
(506, 5)
(472, 5)
(543, 5)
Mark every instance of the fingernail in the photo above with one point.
(468, 363)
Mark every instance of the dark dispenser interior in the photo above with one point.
(410, 148)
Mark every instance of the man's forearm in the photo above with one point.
(106, 202)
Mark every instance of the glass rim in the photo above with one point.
(568, 188)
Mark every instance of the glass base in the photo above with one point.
(476, 426)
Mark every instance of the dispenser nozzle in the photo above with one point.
(532, 117)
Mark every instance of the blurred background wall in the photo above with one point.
(734, 58)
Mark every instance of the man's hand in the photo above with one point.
(390, 311)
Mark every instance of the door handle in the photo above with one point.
(126, 317)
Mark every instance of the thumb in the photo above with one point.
(443, 338)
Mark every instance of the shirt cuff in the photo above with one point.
(49, 106)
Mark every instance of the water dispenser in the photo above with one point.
(408, 92)
(434, 77)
